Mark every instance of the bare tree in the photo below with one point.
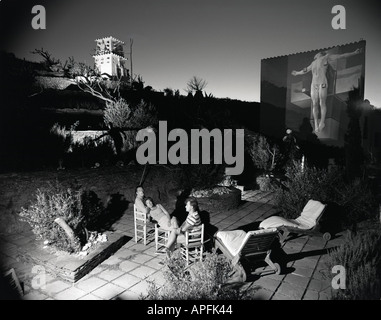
(196, 84)
(168, 92)
(122, 119)
(50, 62)
(94, 85)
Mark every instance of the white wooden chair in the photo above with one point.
(193, 248)
(143, 227)
(161, 238)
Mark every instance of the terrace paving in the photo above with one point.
(125, 275)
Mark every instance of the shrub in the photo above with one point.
(63, 136)
(204, 280)
(357, 201)
(360, 255)
(124, 120)
(302, 185)
(264, 155)
(118, 113)
(76, 207)
(59, 141)
(52, 203)
(123, 115)
(144, 115)
(201, 176)
(264, 182)
(354, 198)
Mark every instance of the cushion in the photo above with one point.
(305, 223)
(311, 212)
(307, 219)
(276, 222)
(232, 240)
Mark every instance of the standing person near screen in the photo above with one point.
(319, 83)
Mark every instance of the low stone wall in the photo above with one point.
(58, 83)
(81, 136)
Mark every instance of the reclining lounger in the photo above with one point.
(306, 223)
(242, 248)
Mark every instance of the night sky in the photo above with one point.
(220, 41)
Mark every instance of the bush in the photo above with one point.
(360, 255)
(354, 198)
(201, 176)
(62, 138)
(303, 185)
(76, 207)
(204, 280)
(357, 201)
(144, 115)
(123, 115)
(264, 182)
(264, 155)
(124, 120)
(118, 113)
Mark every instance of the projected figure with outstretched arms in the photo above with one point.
(319, 83)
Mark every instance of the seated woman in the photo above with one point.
(159, 214)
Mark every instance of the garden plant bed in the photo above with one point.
(71, 267)
(229, 199)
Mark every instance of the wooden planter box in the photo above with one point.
(72, 267)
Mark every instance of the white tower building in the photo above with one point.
(109, 57)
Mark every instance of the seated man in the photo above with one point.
(160, 215)
(139, 200)
(192, 220)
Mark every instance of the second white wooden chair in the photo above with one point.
(161, 238)
(144, 229)
(193, 248)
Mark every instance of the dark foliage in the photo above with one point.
(360, 255)
(353, 199)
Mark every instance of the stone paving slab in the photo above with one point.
(56, 286)
(297, 280)
(291, 290)
(71, 293)
(91, 283)
(126, 281)
(108, 291)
